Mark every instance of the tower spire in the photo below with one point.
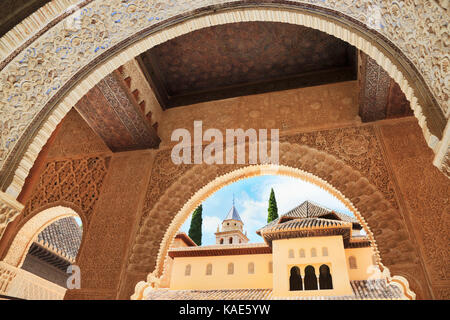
(232, 228)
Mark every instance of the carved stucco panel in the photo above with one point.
(9, 210)
(76, 181)
(357, 147)
(426, 191)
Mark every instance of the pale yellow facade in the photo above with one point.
(165, 279)
(272, 271)
(220, 278)
(301, 256)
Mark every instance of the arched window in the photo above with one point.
(302, 253)
(352, 262)
(313, 252)
(230, 240)
(310, 278)
(295, 280)
(209, 269)
(251, 268)
(325, 280)
(221, 241)
(231, 268)
(187, 270)
(270, 267)
(291, 253)
(325, 251)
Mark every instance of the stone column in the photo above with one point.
(318, 278)
(302, 279)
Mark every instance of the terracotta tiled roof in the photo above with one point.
(238, 294)
(312, 220)
(306, 223)
(346, 217)
(309, 209)
(50, 255)
(222, 249)
(362, 290)
(183, 236)
(307, 227)
(62, 236)
(375, 289)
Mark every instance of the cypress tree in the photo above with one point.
(195, 230)
(273, 209)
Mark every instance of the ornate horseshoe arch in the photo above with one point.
(44, 74)
(29, 231)
(302, 162)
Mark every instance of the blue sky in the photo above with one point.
(252, 199)
(78, 220)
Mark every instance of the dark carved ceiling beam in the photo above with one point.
(380, 96)
(113, 113)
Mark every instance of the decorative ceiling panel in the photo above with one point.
(245, 58)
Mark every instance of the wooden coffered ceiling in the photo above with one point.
(245, 58)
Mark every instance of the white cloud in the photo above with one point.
(291, 192)
(254, 215)
(209, 224)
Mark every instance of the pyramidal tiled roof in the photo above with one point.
(307, 223)
(308, 209)
(63, 235)
(233, 214)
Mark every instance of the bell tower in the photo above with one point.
(232, 229)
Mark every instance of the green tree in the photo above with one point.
(273, 209)
(195, 230)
